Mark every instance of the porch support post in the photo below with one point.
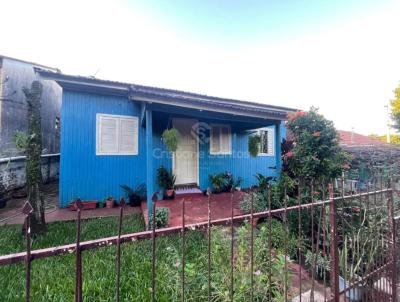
(278, 139)
(149, 160)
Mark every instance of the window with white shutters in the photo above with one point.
(220, 139)
(116, 135)
(267, 147)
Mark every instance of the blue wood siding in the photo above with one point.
(82, 173)
(239, 163)
(87, 176)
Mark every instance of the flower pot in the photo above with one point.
(110, 203)
(353, 294)
(134, 201)
(86, 205)
(171, 194)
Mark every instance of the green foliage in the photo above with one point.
(171, 138)
(224, 182)
(218, 182)
(395, 106)
(135, 195)
(99, 265)
(316, 153)
(254, 144)
(21, 140)
(165, 179)
(260, 202)
(263, 181)
(242, 286)
(162, 218)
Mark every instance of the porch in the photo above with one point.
(196, 157)
(196, 208)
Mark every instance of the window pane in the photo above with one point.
(128, 136)
(214, 142)
(108, 135)
(225, 139)
(264, 141)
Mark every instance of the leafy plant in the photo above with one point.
(165, 179)
(320, 263)
(260, 202)
(254, 144)
(263, 181)
(136, 195)
(171, 138)
(218, 182)
(231, 182)
(162, 218)
(316, 153)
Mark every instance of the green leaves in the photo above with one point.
(316, 153)
(21, 140)
(254, 144)
(171, 139)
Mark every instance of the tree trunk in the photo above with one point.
(33, 158)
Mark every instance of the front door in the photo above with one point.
(186, 156)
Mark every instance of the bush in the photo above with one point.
(280, 241)
(262, 286)
(162, 218)
(316, 153)
(260, 202)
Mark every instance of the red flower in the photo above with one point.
(356, 210)
(317, 134)
(293, 115)
(289, 154)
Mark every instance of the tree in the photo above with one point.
(31, 144)
(395, 106)
(316, 153)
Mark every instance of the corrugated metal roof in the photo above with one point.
(135, 91)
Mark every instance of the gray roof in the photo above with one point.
(166, 96)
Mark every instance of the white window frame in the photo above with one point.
(267, 129)
(118, 118)
(220, 126)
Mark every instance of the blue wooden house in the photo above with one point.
(111, 134)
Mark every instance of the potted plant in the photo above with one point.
(218, 182)
(101, 204)
(109, 202)
(171, 138)
(166, 181)
(135, 196)
(254, 144)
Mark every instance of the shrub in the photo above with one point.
(165, 179)
(316, 153)
(280, 241)
(136, 195)
(260, 202)
(262, 286)
(162, 218)
(218, 182)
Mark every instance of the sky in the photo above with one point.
(340, 56)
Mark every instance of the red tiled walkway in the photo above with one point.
(196, 207)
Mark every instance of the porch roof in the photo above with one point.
(167, 97)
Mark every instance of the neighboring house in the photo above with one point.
(14, 75)
(111, 135)
(371, 157)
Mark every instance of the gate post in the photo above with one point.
(334, 252)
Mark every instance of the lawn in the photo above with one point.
(53, 279)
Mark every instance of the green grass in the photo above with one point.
(53, 278)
